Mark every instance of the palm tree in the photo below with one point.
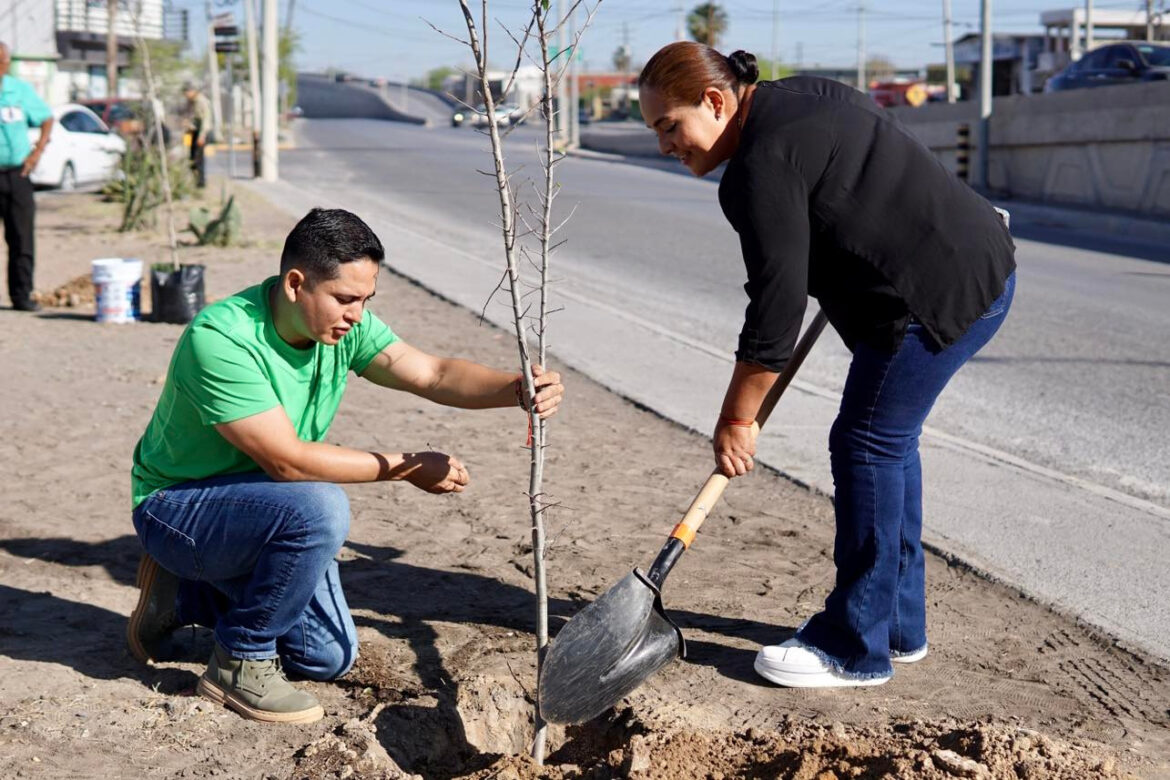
(707, 22)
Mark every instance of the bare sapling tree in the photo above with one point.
(553, 66)
(155, 104)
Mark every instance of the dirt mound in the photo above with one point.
(76, 292)
(819, 751)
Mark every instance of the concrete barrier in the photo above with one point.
(321, 97)
(1105, 147)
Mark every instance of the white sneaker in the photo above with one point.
(795, 666)
(909, 658)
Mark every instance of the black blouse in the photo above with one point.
(833, 198)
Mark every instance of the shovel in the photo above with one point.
(609, 648)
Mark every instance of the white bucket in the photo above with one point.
(117, 286)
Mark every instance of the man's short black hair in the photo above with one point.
(326, 238)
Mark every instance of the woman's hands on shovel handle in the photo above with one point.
(735, 446)
(735, 435)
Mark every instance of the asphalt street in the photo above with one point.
(1046, 462)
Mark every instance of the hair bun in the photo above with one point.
(743, 65)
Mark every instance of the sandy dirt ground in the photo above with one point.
(441, 588)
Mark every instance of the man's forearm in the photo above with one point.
(319, 462)
(468, 385)
(43, 141)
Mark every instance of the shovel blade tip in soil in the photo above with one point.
(607, 650)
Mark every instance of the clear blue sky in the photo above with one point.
(390, 37)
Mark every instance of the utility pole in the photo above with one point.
(574, 88)
(861, 80)
(268, 168)
(949, 39)
(1088, 24)
(562, 86)
(775, 39)
(1149, 20)
(213, 76)
(982, 170)
(253, 63)
(680, 28)
(111, 47)
(629, 64)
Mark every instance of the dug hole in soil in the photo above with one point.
(441, 588)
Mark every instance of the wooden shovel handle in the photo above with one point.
(713, 488)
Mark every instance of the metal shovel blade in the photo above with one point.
(607, 650)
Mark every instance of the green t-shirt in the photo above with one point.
(20, 108)
(230, 363)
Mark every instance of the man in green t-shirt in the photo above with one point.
(236, 497)
(20, 109)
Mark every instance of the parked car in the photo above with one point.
(1128, 62)
(126, 117)
(81, 150)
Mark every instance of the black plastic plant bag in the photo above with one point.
(176, 296)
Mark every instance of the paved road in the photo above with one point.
(1046, 459)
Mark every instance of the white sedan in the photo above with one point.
(81, 150)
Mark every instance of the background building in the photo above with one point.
(59, 46)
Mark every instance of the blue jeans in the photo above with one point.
(877, 608)
(256, 560)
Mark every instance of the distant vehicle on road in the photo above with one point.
(512, 111)
(378, 82)
(478, 118)
(81, 150)
(1128, 62)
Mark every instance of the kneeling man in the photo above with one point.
(236, 497)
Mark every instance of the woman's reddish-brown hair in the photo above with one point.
(680, 71)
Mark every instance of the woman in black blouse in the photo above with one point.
(833, 199)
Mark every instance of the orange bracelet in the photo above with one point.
(736, 422)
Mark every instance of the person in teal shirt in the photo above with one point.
(20, 109)
(236, 496)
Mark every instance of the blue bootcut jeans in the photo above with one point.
(877, 609)
(256, 560)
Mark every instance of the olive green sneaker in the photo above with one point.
(257, 689)
(154, 618)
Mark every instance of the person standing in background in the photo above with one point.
(198, 127)
(20, 109)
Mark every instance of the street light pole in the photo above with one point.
(949, 38)
(1088, 24)
(985, 77)
(775, 39)
(1149, 20)
(861, 81)
(268, 169)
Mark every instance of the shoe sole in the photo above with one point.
(144, 579)
(914, 657)
(209, 690)
(812, 680)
